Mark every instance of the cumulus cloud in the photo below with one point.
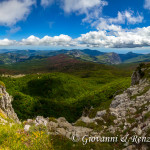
(79, 5)
(93, 12)
(126, 16)
(123, 38)
(61, 40)
(12, 11)
(107, 23)
(147, 4)
(109, 32)
(32, 40)
(115, 37)
(139, 37)
(46, 3)
(91, 8)
(7, 42)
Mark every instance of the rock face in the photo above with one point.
(109, 58)
(114, 58)
(5, 104)
(138, 74)
(58, 126)
(135, 78)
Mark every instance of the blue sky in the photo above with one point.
(108, 25)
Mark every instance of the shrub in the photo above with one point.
(16, 138)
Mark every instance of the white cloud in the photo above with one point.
(32, 40)
(14, 30)
(12, 11)
(108, 23)
(93, 12)
(139, 37)
(46, 3)
(129, 15)
(91, 8)
(7, 42)
(109, 32)
(147, 4)
(61, 40)
(79, 5)
(126, 16)
(116, 37)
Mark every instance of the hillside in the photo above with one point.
(117, 113)
(10, 57)
(139, 59)
(60, 63)
(43, 94)
(92, 52)
(109, 58)
(13, 57)
(128, 56)
(36, 65)
(128, 116)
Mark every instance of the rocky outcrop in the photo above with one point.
(138, 74)
(114, 58)
(136, 77)
(6, 106)
(58, 126)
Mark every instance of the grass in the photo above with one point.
(104, 106)
(62, 143)
(142, 108)
(15, 138)
(147, 116)
(2, 84)
(109, 119)
(131, 120)
(52, 119)
(2, 114)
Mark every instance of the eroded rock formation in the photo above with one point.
(6, 108)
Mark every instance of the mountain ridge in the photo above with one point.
(111, 58)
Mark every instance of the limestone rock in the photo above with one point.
(86, 119)
(136, 76)
(26, 128)
(101, 113)
(40, 120)
(5, 104)
(131, 147)
(61, 131)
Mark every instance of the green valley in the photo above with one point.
(65, 94)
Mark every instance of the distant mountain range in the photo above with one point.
(15, 56)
